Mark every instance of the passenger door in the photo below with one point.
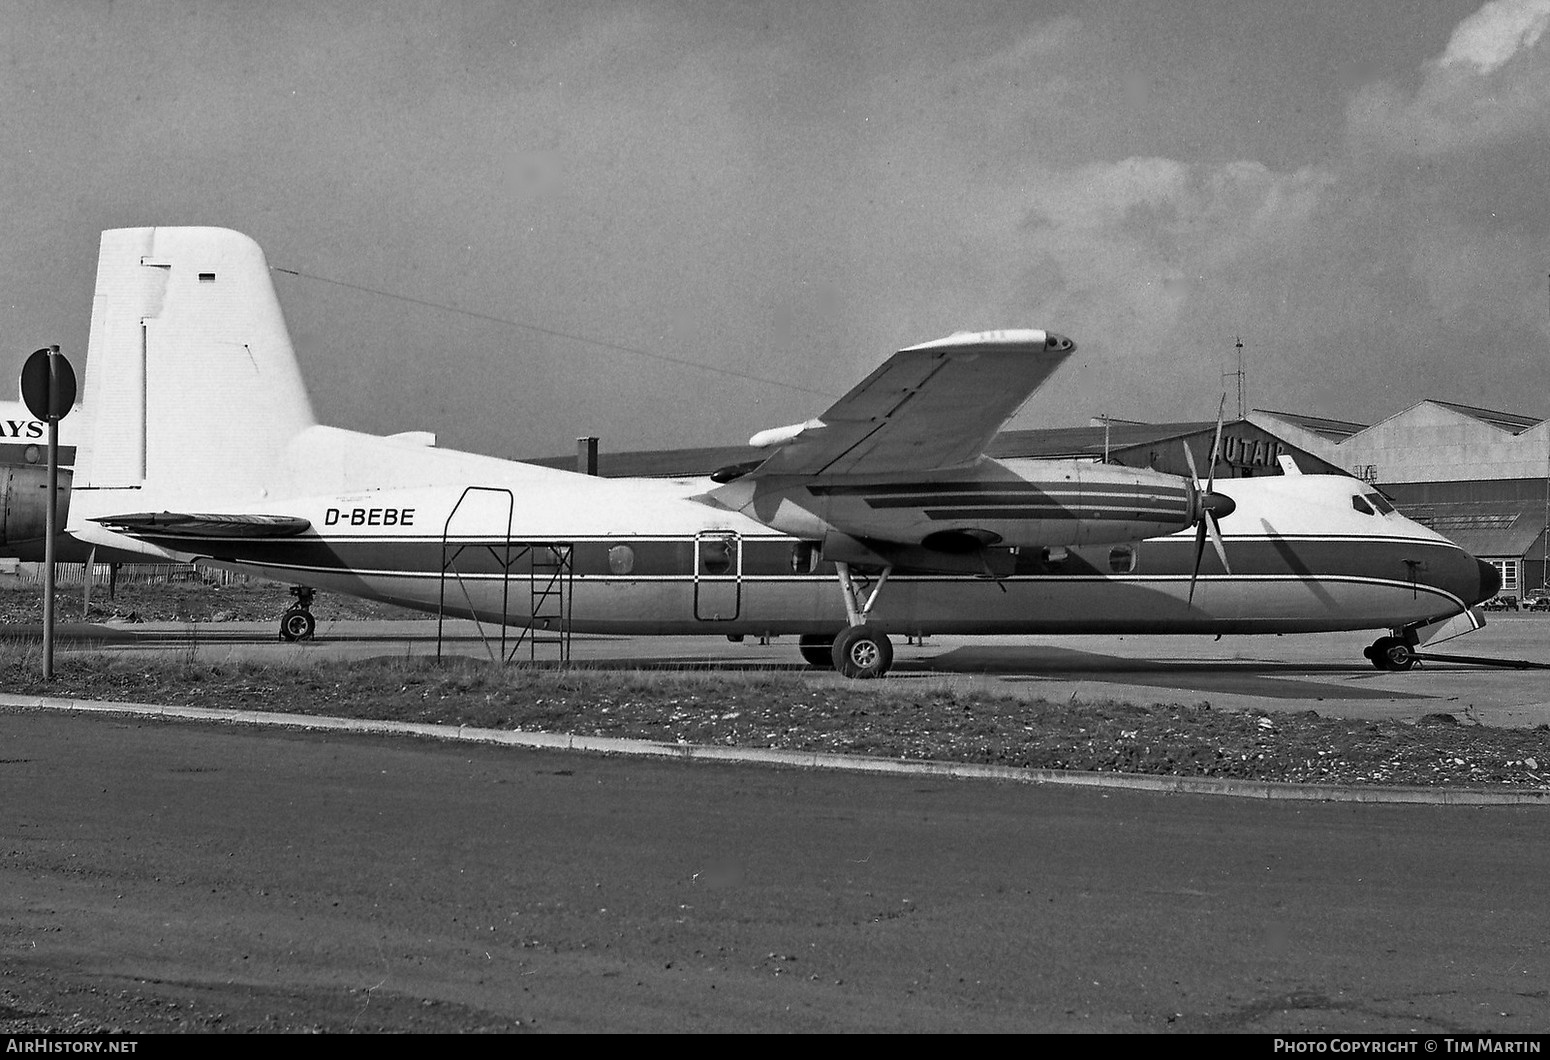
(718, 576)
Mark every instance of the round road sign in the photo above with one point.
(47, 402)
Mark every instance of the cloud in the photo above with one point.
(1495, 33)
(1135, 240)
(1490, 86)
(1153, 263)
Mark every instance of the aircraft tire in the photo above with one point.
(817, 650)
(297, 624)
(1391, 653)
(862, 652)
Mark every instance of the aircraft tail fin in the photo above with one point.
(192, 388)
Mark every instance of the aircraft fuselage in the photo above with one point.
(645, 557)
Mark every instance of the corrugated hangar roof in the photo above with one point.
(1323, 426)
(1054, 442)
(1482, 529)
(1507, 421)
(658, 463)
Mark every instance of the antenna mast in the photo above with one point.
(1239, 375)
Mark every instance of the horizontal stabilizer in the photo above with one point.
(177, 524)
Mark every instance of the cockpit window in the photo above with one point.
(1380, 502)
(1361, 505)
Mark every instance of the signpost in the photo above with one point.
(48, 389)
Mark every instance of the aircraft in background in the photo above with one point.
(24, 484)
(880, 516)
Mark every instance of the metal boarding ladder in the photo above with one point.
(549, 589)
(549, 569)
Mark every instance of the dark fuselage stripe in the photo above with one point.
(1023, 512)
(930, 489)
(1384, 558)
(1082, 498)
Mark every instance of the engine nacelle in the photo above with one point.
(24, 504)
(1019, 503)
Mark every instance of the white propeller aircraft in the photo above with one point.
(882, 515)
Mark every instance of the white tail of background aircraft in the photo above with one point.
(882, 514)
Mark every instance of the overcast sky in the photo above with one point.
(785, 192)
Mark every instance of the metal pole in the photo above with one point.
(91, 566)
(50, 515)
(1241, 410)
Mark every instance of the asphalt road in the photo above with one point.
(164, 875)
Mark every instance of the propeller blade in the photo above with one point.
(1208, 502)
(1207, 525)
(1216, 539)
(1200, 551)
(1216, 446)
(1189, 458)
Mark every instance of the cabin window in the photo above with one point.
(1380, 502)
(716, 556)
(804, 557)
(1122, 559)
(1362, 506)
(621, 559)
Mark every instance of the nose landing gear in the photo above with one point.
(1391, 653)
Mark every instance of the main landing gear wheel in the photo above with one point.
(297, 623)
(1390, 653)
(817, 649)
(862, 652)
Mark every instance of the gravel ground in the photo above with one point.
(781, 709)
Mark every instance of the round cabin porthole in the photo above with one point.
(621, 559)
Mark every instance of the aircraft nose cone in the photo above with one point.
(1490, 581)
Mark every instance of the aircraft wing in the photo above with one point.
(936, 405)
(177, 524)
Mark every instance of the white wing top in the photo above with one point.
(928, 407)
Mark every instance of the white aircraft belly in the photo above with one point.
(1023, 604)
